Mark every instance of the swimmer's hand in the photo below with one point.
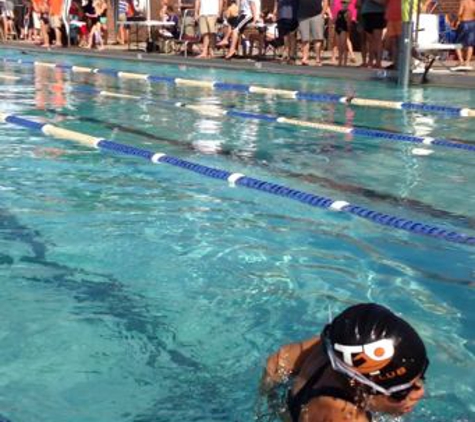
(388, 405)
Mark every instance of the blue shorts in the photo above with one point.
(466, 33)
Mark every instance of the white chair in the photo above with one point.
(428, 47)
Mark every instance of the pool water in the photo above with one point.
(141, 292)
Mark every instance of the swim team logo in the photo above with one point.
(368, 358)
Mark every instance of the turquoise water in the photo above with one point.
(139, 292)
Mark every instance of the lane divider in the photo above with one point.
(9, 77)
(238, 179)
(215, 111)
(244, 88)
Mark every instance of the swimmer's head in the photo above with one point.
(373, 346)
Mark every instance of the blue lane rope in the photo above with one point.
(366, 132)
(298, 95)
(248, 182)
(370, 133)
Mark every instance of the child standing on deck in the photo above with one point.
(342, 25)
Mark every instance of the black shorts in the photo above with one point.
(373, 21)
(44, 18)
(286, 26)
(243, 21)
(233, 22)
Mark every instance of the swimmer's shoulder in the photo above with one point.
(289, 357)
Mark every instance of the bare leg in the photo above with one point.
(370, 49)
(204, 53)
(364, 49)
(318, 52)
(262, 41)
(58, 34)
(460, 56)
(305, 52)
(212, 44)
(349, 46)
(378, 46)
(469, 56)
(44, 33)
(121, 35)
(334, 51)
(225, 41)
(234, 41)
(292, 47)
(286, 54)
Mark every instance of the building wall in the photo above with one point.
(449, 6)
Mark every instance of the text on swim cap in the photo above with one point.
(368, 358)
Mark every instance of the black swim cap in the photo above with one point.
(374, 342)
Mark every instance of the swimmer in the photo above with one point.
(366, 360)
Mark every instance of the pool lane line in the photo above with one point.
(217, 111)
(413, 204)
(359, 130)
(238, 179)
(252, 89)
(9, 77)
(214, 111)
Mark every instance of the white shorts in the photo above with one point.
(36, 20)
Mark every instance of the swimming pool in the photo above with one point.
(140, 292)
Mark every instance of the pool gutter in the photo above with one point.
(449, 79)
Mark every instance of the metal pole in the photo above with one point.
(405, 49)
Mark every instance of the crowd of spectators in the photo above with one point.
(293, 31)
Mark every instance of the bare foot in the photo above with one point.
(202, 56)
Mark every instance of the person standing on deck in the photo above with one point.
(55, 20)
(466, 31)
(287, 24)
(207, 13)
(311, 27)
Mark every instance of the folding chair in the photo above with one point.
(189, 34)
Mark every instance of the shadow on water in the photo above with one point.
(91, 287)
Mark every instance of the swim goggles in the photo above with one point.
(397, 392)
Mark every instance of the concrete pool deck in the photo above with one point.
(440, 75)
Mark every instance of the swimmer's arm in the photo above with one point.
(286, 361)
